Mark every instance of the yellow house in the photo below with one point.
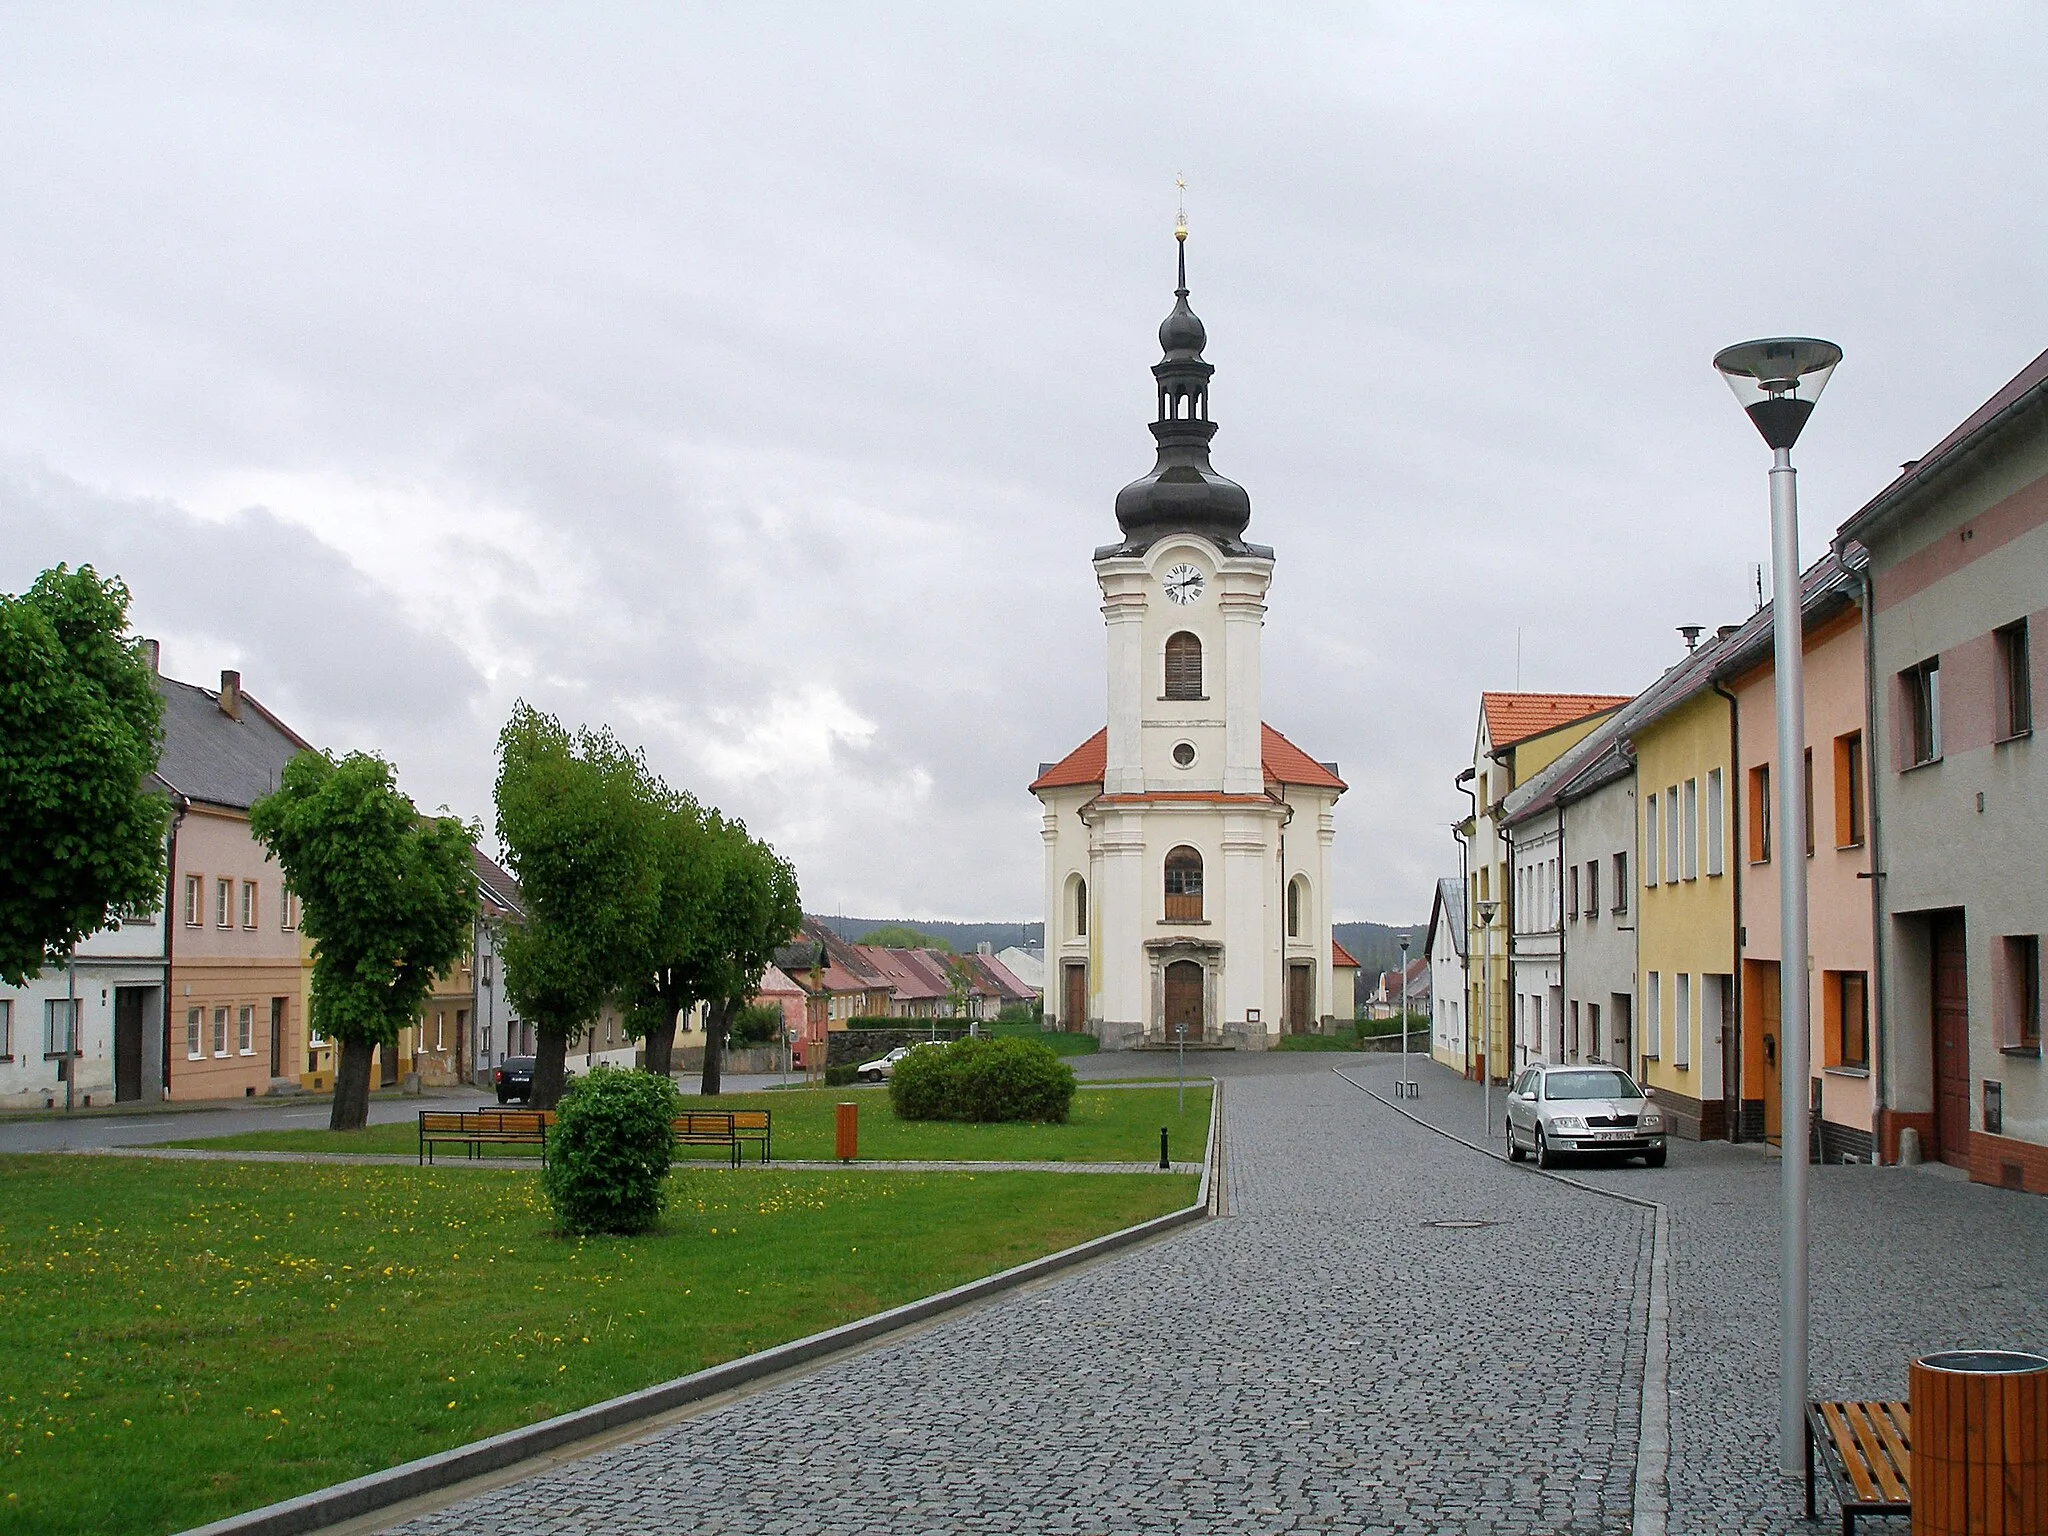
(1685, 1030)
(1519, 734)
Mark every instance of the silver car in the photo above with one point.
(1557, 1109)
(882, 1068)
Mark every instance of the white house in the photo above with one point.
(1188, 844)
(1444, 945)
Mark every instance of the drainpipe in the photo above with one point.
(1880, 1096)
(1735, 857)
(1564, 986)
(1507, 907)
(1464, 906)
(171, 921)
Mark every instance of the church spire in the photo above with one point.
(1182, 494)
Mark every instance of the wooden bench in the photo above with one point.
(476, 1128)
(1867, 1449)
(733, 1129)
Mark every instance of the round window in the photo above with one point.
(1184, 753)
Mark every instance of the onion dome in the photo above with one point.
(1182, 494)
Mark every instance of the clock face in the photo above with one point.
(1184, 584)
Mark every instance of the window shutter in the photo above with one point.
(1183, 667)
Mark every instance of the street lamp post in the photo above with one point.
(1486, 911)
(1777, 382)
(1407, 1087)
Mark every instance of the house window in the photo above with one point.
(1620, 884)
(1183, 886)
(1183, 667)
(1681, 1019)
(220, 1031)
(1572, 1045)
(1760, 814)
(1922, 688)
(245, 1030)
(1691, 867)
(489, 957)
(193, 896)
(1593, 1031)
(224, 903)
(1849, 808)
(287, 908)
(1652, 841)
(1809, 802)
(1847, 997)
(1572, 893)
(2015, 682)
(194, 1022)
(1592, 889)
(60, 1027)
(6, 1029)
(1653, 1016)
(2019, 992)
(248, 903)
(1671, 829)
(1715, 818)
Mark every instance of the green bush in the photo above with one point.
(839, 1077)
(982, 1079)
(609, 1152)
(755, 1024)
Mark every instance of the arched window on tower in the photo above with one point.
(1297, 904)
(1077, 907)
(1183, 667)
(1184, 886)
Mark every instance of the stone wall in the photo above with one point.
(851, 1047)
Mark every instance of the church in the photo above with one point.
(1188, 843)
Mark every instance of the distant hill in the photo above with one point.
(1377, 947)
(962, 936)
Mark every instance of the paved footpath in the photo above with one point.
(1321, 1358)
(1903, 1261)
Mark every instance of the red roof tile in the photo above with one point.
(1513, 717)
(1339, 955)
(1284, 762)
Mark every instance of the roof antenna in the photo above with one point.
(1756, 569)
(1180, 230)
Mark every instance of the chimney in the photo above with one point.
(231, 695)
(153, 654)
(1691, 632)
(1725, 631)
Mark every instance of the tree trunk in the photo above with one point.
(717, 1018)
(550, 1066)
(351, 1085)
(661, 1044)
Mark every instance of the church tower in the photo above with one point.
(1188, 844)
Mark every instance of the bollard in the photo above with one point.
(846, 1132)
(1162, 1149)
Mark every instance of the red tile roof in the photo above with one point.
(1285, 763)
(1339, 955)
(1514, 717)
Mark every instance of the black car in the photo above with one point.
(515, 1079)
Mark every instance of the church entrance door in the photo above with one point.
(1074, 1010)
(1300, 982)
(1183, 999)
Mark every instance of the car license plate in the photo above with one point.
(1615, 1135)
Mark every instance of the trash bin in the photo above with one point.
(846, 1136)
(1980, 1442)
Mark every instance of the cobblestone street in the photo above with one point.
(1319, 1359)
(1323, 1358)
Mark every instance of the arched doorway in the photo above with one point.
(1183, 999)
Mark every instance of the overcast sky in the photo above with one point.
(757, 380)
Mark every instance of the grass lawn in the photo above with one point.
(179, 1341)
(1118, 1125)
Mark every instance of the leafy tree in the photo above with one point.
(388, 898)
(674, 970)
(753, 913)
(959, 987)
(81, 725)
(903, 936)
(577, 815)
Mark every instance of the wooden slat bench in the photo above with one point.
(476, 1128)
(1867, 1449)
(732, 1129)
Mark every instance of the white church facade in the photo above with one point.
(1188, 844)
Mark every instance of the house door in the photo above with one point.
(277, 1005)
(1183, 1000)
(1300, 988)
(1768, 1010)
(1731, 1062)
(1951, 1043)
(1074, 1011)
(128, 1042)
(387, 1061)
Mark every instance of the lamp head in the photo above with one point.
(1486, 911)
(1777, 381)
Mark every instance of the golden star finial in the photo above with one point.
(1180, 223)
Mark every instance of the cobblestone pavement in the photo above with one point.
(1320, 1359)
(1902, 1261)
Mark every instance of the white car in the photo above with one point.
(882, 1068)
(1558, 1109)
